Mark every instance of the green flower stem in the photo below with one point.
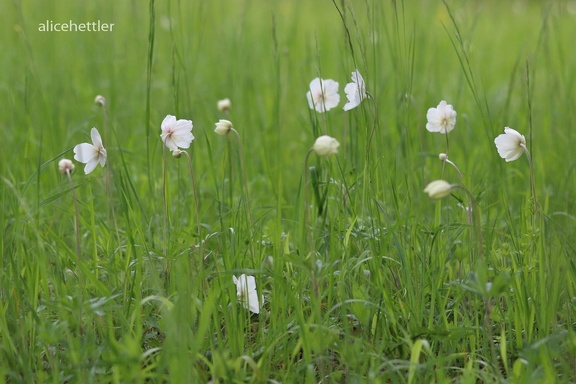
(535, 213)
(444, 162)
(306, 203)
(165, 200)
(476, 222)
(247, 193)
(76, 215)
(196, 209)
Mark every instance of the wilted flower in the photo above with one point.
(246, 292)
(65, 166)
(355, 91)
(326, 145)
(323, 94)
(441, 119)
(176, 133)
(438, 189)
(224, 105)
(510, 145)
(100, 100)
(223, 127)
(91, 154)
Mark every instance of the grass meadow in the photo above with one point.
(126, 274)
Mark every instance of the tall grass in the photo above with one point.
(381, 284)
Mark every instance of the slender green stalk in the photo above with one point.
(76, 217)
(477, 223)
(246, 190)
(535, 210)
(196, 208)
(306, 202)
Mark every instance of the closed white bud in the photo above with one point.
(443, 157)
(100, 100)
(224, 105)
(438, 189)
(176, 153)
(325, 146)
(223, 127)
(65, 166)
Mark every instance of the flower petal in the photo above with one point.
(96, 139)
(91, 165)
(168, 123)
(253, 302)
(182, 126)
(183, 140)
(85, 152)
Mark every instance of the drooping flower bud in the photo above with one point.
(223, 127)
(326, 145)
(100, 100)
(438, 189)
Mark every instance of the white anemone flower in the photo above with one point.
(355, 91)
(246, 292)
(441, 119)
(323, 94)
(326, 146)
(91, 154)
(510, 145)
(176, 133)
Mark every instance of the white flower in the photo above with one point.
(355, 91)
(438, 189)
(246, 292)
(65, 166)
(100, 100)
(510, 145)
(224, 105)
(176, 133)
(223, 127)
(441, 119)
(326, 145)
(323, 94)
(91, 154)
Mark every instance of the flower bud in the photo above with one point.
(325, 146)
(443, 157)
(65, 166)
(176, 153)
(224, 105)
(223, 127)
(438, 189)
(100, 100)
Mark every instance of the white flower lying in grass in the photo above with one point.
(176, 133)
(510, 145)
(326, 145)
(246, 292)
(91, 154)
(355, 91)
(323, 94)
(441, 119)
(438, 189)
(223, 127)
